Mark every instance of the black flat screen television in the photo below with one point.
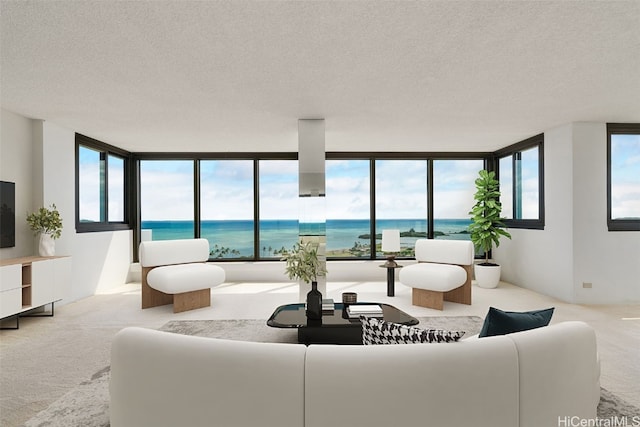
(7, 214)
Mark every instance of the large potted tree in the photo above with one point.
(303, 263)
(487, 227)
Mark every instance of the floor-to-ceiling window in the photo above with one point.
(250, 208)
(167, 199)
(348, 208)
(279, 206)
(453, 191)
(401, 201)
(247, 205)
(226, 207)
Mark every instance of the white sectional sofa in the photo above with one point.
(526, 379)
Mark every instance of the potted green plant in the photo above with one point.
(302, 263)
(486, 227)
(48, 223)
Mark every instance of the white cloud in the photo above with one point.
(625, 201)
(452, 204)
(89, 176)
(166, 195)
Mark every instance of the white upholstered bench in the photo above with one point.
(443, 273)
(175, 271)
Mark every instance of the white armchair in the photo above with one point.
(175, 272)
(443, 273)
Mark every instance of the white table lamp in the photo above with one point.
(391, 244)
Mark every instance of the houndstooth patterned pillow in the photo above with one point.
(376, 331)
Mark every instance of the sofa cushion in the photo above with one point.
(376, 331)
(500, 322)
(162, 379)
(441, 385)
(433, 277)
(175, 279)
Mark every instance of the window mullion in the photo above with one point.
(103, 186)
(197, 225)
(256, 209)
(430, 221)
(517, 185)
(372, 208)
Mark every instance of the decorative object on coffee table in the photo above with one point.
(314, 302)
(303, 264)
(349, 298)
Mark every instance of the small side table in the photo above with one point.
(391, 279)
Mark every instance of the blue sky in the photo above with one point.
(530, 185)
(227, 188)
(625, 176)
(90, 186)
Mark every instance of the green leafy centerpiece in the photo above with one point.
(487, 226)
(48, 223)
(302, 263)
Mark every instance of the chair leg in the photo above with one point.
(461, 295)
(428, 299)
(191, 300)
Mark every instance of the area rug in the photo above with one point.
(87, 405)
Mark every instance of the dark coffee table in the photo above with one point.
(335, 327)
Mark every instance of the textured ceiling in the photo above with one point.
(401, 76)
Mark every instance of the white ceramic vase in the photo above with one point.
(487, 276)
(47, 246)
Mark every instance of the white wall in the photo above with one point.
(608, 260)
(39, 157)
(16, 152)
(575, 246)
(541, 260)
(101, 260)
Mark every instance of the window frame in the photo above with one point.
(513, 150)
(428, 157)
(619, 224)
(197, 157)
(105, 150)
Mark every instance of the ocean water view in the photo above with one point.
(351, 238)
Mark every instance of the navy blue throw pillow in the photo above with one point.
(500, 322)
